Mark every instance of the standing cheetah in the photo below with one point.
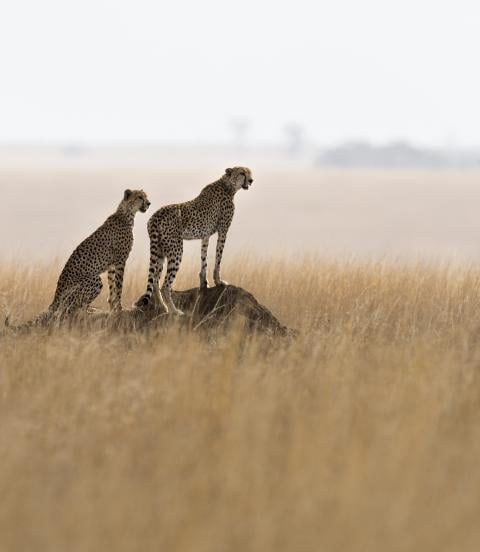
(209, 213)
(107, 249)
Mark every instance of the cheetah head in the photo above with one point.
(136, 200)
(239, 177)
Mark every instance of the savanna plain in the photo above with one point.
(362, 433)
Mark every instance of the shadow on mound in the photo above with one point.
(208, 309)
(213, 309)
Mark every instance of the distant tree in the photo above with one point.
(392, 155)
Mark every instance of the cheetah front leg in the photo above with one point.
(115, 286)
(112, 289)
(203, 270)
(222, 236)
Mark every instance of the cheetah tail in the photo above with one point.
(17, 328)
(8, 325)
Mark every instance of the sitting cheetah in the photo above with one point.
(210, 212)
(107, 249)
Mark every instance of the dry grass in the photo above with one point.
(364, 434)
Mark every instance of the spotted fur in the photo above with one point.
(106, 250)
(209, 213)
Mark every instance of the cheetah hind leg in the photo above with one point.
(153, 290)
(80, 296)
(168, 302)
(172, 269)
(157, 296)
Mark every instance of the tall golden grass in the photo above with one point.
(363, 434)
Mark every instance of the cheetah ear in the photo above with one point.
(127, 194)
(228, 172)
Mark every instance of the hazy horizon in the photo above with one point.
(410, 214)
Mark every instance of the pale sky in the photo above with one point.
(143, 71)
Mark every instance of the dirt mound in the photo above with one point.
(215, 308)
